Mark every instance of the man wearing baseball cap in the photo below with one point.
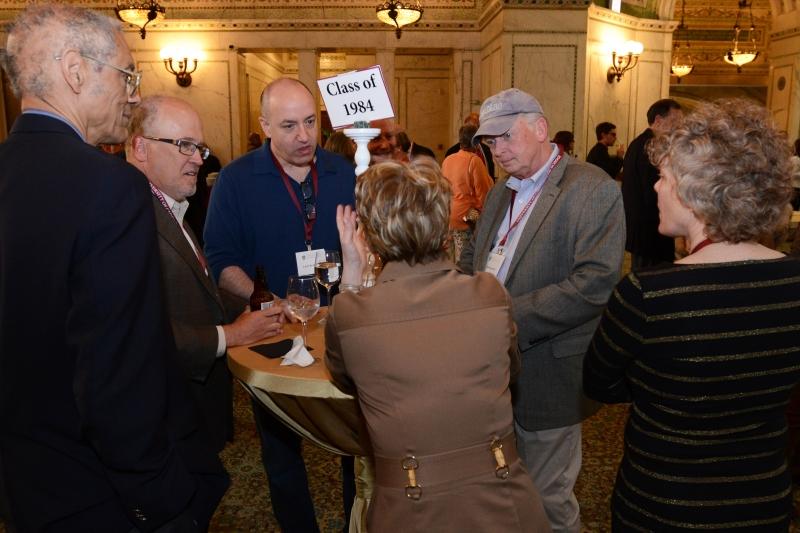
(553, 233)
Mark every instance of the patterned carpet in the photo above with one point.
(246, 507)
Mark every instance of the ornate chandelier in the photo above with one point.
(399, 14)
(748, 53)
(139, 13)
(682, 64)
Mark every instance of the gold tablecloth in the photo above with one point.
(305, 400)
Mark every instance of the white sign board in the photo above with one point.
(354, 96)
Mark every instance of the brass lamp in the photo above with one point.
(748, 53)
(624, 57)
(139, 13)
(399, 14)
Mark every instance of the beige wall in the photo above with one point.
(783, 97)
(624, 103)
(561, 57)
(210, 93)
(436, 74)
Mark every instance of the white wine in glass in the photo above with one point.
(302, 297)
(328, 272)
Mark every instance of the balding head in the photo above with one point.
(289, 119)
(42, 32)
(283, 87)
(385, 147)
(166, 144)
(74, 63)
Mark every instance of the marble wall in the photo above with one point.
(438, 72)
(210, 93)
(783, 97)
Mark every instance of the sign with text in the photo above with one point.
(354, 96)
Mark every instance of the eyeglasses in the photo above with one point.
(133, 78)
(308, 199)
(187, 147)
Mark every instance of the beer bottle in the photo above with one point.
(261, 298)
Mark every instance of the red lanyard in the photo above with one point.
(528, 205)
(308, 225)
(197, 252)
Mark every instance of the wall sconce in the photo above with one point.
(181, 62)
(623, 58)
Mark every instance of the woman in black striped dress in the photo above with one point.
(708, 349)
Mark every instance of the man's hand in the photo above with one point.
(621, 151)
(354, 248)
(252, 326)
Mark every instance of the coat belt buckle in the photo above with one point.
(410, 465)
(502, 471)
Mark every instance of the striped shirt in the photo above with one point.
(708, 355)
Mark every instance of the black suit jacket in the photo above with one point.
(97, 432)
(641, 205)
(598, 156)
(195, 308)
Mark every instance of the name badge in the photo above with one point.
(306, 261)
(495, 262)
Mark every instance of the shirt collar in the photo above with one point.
(178, 208)
(515, 184)
(50, 114)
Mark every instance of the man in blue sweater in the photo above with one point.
(266, 206)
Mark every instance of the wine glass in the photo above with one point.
(302, 296)
(328, 271)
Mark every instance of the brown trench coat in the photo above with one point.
(429, 352)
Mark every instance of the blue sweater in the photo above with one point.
(252, 220)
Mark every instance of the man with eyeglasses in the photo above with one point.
(553, 234)
(166, 144)
(267, 206)
(98, 429)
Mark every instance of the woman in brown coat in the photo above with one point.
(429, 351)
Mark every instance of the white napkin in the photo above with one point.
(298, 355)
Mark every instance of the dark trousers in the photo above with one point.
(286, 473)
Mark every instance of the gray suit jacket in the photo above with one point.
(566, 263)
(195, 308)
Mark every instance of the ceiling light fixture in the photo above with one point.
(738, 57)
(682, 64)
(399, 14)
(139, 13)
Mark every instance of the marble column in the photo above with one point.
(308, 73)
(385, 58)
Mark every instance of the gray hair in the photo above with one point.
(41, 32)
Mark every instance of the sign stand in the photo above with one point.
(362, 137)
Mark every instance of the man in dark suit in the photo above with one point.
(166, 144)
(98, 434)
(606, 134)
(553, 234)
(646, 245)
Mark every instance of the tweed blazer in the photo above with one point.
(195, 308)
(566, 263)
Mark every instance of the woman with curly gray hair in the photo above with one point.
(429, 352)
(707, 350)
